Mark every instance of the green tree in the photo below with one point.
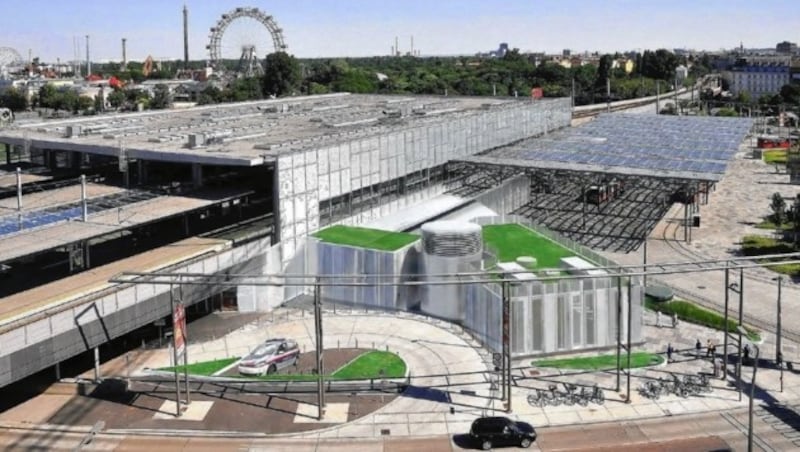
(116, 98)
(778, 206)
(243, 89)
(14, 99)
(356, 81)
(795, 217)
(210, 95)
(162, 98)
(99, 104)
(281, 74)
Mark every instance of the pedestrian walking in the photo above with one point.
(746, 351)
(658, 319)
(674, 320)
(669, 353)
(708, 348)
(697, 347)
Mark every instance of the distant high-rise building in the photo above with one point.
(786, 47)
(502, 50)
(566, 53)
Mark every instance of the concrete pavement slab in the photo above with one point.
(392, 429)
(563, 417)
(427, 428)
(334, 413)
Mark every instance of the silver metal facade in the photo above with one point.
(305, 178)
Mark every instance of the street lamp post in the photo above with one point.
(752, 392)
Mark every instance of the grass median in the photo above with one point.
(601, 362)
(689, 312)
(372, 364)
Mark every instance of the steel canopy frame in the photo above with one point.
(621, 224)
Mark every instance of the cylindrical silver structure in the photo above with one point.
(124, 54)
(449, 247)
(185, 37)
(88, 60)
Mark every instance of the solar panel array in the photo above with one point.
(658, 143)
(12, 223)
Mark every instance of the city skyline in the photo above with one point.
(57, 30)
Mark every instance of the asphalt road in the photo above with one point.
(703, 432)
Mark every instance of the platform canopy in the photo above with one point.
(660, 146)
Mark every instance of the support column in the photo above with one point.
(644, 269)
(141, 171)
(318, 350)
(741, 315)
(725, 322)
(97, 364)
(630, 320)
(197, 175)
(87, 263)
(19, 189)
(58, 371)
(85, 207)
(686, 221)
(506, 346)
(175, 354)
(619, 330)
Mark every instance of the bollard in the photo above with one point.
(356, 342)
(373, 345)
(387, 347)
(337, 343)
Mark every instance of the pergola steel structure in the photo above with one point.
(620, 274)
(558, 199)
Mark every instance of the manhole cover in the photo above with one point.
(701, 287)
(385, 432)
(533, 373)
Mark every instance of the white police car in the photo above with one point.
(270, 357)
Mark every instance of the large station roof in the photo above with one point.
(248, 133)
(680, 147)
(111, 209)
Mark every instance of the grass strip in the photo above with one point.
(600, 362)
(692, 313)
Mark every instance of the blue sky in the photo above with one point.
(328, 28)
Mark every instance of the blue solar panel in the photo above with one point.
(657, 143)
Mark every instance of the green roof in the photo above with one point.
(511, 241)
(375, 239)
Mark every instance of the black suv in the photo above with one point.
(501, 431)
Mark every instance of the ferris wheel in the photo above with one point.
(9, 58)
(243, 34)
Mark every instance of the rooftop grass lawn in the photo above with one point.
(206, 368)
(374, 239)
(638, 359)
(511, 241)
